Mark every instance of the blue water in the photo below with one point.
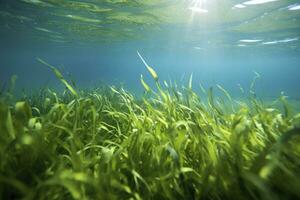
(219, 43)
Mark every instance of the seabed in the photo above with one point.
(171, 143)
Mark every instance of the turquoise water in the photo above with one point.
(95, 42)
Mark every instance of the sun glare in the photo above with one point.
(197, 6)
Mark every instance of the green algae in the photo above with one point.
(173, 144)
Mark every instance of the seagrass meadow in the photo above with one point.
(170, 144)
(149, 99)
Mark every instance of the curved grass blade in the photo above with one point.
(257, 76)
(59, 76)
(227, 95)
(145, 85)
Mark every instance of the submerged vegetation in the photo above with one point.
(171, 144)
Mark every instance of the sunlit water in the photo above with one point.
(95, 42)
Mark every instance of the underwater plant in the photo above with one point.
(170, 144)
